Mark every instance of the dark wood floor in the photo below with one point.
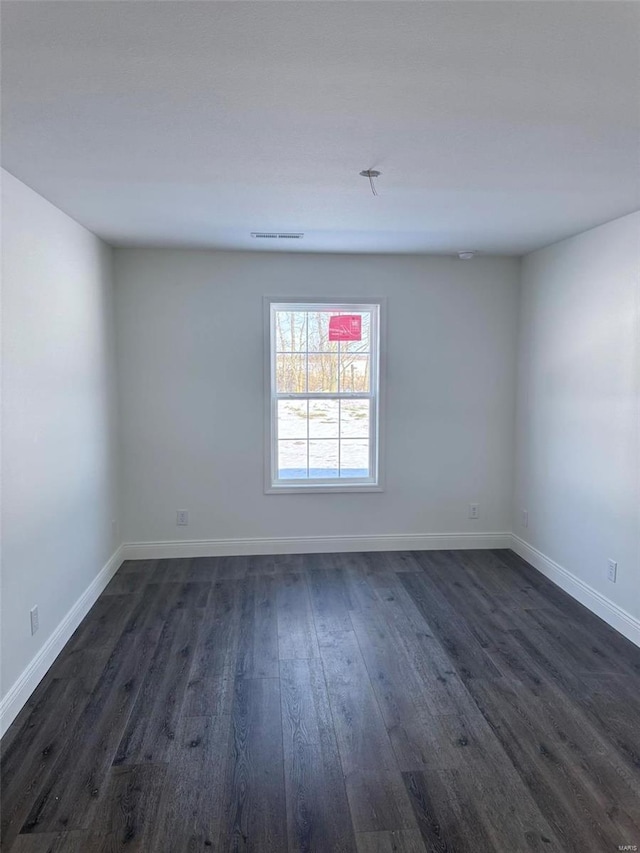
(423, 701)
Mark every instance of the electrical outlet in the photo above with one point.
(525, 517)
(612, 570)
(35, 619)
(474, 510)
(182, 517)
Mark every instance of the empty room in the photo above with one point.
(320, 453)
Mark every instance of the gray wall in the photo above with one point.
(58, 418)
(578, 425)
(190, 367)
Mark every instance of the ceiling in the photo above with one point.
(498, 126)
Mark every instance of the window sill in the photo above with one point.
(317, 489)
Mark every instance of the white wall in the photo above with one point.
(58, 410)
(190, 356)
(578, 421)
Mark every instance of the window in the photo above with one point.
(323, 395)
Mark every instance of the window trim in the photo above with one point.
(328, 486)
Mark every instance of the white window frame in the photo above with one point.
(374, 483)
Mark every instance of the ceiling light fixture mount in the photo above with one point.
(466, 256)
(371, 174)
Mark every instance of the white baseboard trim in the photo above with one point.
(27, 682)
(312, 545)
(599, 604)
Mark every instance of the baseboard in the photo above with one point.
(312, 545)
(20, 691)
(599, 604)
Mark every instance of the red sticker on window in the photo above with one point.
(345, 327)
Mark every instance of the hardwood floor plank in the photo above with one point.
(74, 784)
(261, 565)
(612, 706)
(570, 790)
(440, 689)
(27, 762)
(318, 817)
(254, 817)
(151, 728)
(265, 631)
(129, 808)
(488, 613)
(57, 842)
(101, 626)
(172, 571)
(89, 649)
(535, 590)
(256, 628)
(202, 570)
(491, 578)
(455, 813)
(126, 583)
(379, 801)
(244, 627)
(584, 652)
(400, 841)
(356, 570)
(290, 564)
(526, 653)
(138, 566)
(395, 682)
(329, 601)
(400, 561)
(437, 741)
(296, 628)
(463, 649)
(193, 791)
(443, 824)
(606, 736)
(209, 695)
(231, 568)
(362, 738)
(216, 650)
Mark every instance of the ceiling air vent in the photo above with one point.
(270, 235)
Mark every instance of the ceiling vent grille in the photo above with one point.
(271, 235)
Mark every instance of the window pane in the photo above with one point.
(291, 331)
(354, 373)
(354, 458)
(292, 419)
(323, 458)
(328, 438)
(292, 460)
(323, 418)
(354, 419)
(291, 374)
(362, 345)
(323, 373)
(319, 332)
